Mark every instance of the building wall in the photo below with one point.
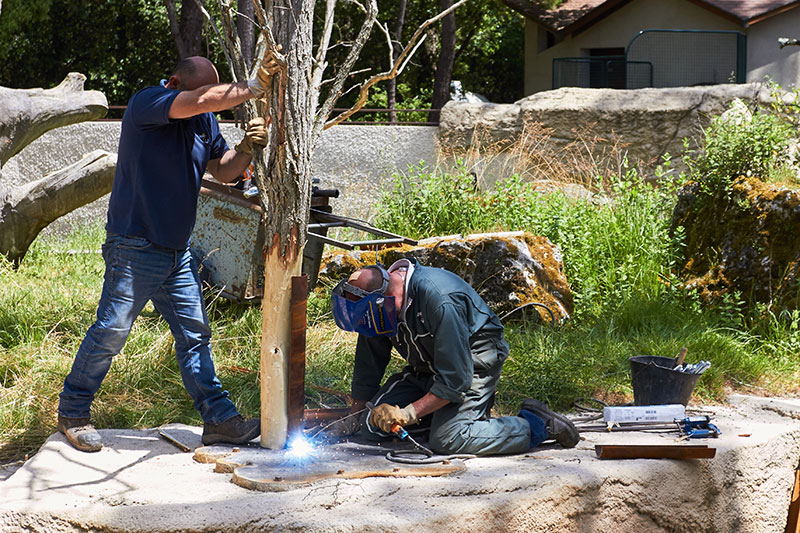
(614, 31)
(357, 160)
(766, 58)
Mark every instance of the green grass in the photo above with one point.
(618, 256)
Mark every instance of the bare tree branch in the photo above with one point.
(320, 61)
(341, 76)
(172, 15)
(402, 59)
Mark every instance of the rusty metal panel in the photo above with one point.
(228, 239)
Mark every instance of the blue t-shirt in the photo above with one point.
(160, 166)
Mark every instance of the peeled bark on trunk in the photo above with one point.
(27, 210)
(27, 114)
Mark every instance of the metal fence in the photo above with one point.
(661, 58)
(684, 58)
(602, 72)
(375, 116)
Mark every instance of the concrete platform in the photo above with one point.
(141, 483)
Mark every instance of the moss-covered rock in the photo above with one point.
(745, 240)
(507, 269)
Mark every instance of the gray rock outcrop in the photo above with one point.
(508, 270)
(644, 123)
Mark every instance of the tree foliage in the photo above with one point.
(123, 45)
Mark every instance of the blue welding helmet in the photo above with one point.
(367, 313)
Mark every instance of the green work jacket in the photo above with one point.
(443, 318)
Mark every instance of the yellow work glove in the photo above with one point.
(384, 416)
(255, 133)
(263, 81)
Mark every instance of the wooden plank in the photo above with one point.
(793, 521)
(297, 355)
(654, 451)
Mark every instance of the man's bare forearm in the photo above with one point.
(230, 166)
(209, 99)
(428, 404)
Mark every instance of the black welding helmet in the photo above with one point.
(367, 313)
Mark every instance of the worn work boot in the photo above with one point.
(235, 430)
(80, 433)
(559, 427)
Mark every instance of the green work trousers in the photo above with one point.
(465, 427)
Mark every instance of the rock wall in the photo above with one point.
(644, 124)
(744, 241)
(507, 269)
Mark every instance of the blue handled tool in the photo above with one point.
(402, 434)
(698, 427)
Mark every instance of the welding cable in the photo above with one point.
(326, 426)
(531, 304)
(422, 457)
(589, 414)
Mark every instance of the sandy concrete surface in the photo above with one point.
(141, 483)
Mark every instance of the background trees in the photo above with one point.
(123, 45)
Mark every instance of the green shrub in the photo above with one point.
(739, 147)
(611, 249)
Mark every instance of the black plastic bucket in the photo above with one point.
(656, 383)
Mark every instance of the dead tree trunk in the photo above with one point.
(27, 210)
(397, 47)
(27, 114)
(444, 67)
(288, 192)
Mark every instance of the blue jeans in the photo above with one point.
(137, 271)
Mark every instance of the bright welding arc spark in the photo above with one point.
(300, 447)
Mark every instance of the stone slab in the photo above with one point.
(141, 483)
(279, 470)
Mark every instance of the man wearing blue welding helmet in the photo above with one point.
(454, 348)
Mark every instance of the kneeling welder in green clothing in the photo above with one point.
(453, 344)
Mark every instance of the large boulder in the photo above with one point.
(743, 241)
(508, 270)
(644, 124)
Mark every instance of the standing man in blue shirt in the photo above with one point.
(169, 138)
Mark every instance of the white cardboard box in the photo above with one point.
(644, 413)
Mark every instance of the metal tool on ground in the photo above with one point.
(699, 427)
(420, 455)
(402, 434)
(172, 439)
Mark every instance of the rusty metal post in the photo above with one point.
(297, 355)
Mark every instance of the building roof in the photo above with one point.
(748, 12)
(573, 16)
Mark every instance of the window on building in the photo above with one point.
(547, 39)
